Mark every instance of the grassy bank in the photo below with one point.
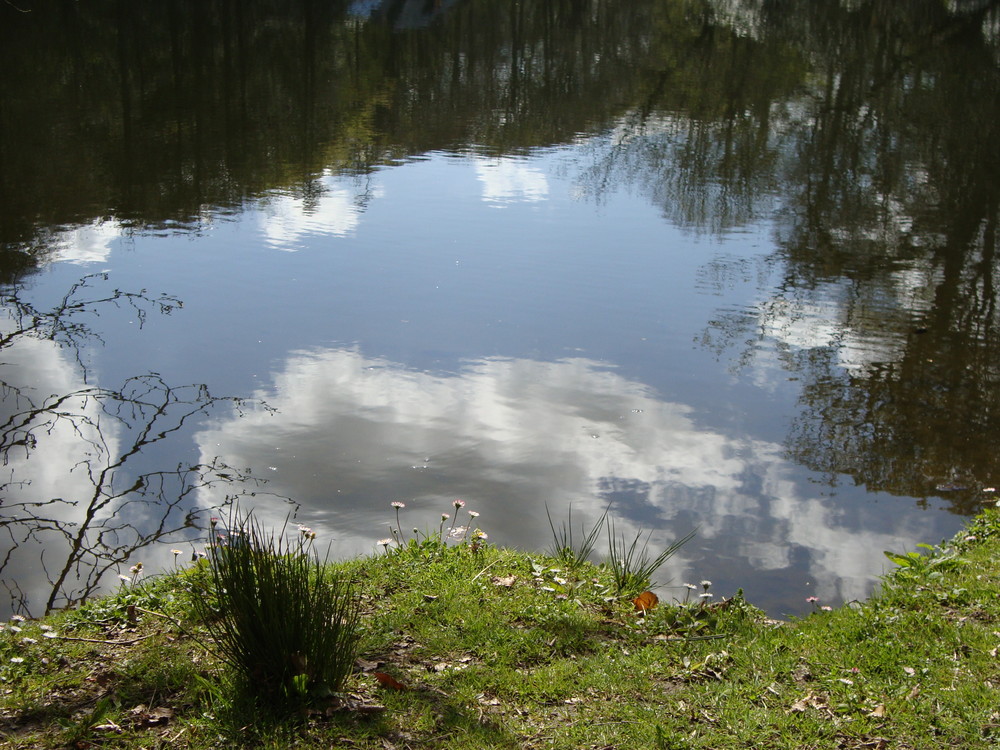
(478, 647)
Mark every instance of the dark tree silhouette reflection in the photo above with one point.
(881, 297)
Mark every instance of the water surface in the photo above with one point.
(718, 266)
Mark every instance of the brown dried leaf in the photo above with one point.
(645, 600)
(810, 700)
(364, 665)
(388, 681)
(109, 726)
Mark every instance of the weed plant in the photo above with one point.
(632, 568)
(571, 550)
(283, 621)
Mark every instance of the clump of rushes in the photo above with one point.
(279, 618)
(631, 566)
(570, 550)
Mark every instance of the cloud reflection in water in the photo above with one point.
(286, 219)
(51, 479)
(509, 180)
(353, 433)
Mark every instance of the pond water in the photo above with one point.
(718, 266)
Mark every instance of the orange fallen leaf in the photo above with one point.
(645, 600)
(388, 681)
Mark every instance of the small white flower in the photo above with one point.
(16, 659)
(50, 634)
(29, 641)
(690, 586)
(705, 596)
(474, 514)
(18, 618)
(397, 504)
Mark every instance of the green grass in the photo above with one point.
(503, 649)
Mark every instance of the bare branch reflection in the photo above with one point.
(82, 493)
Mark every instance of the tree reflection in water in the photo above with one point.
(95, 500)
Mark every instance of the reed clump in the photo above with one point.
(283, 622)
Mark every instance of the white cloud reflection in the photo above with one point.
(88, 243)
(509, 435)
(54, 468)
(864, 329)
(508, 180)
(818, 325)
(287, 220)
